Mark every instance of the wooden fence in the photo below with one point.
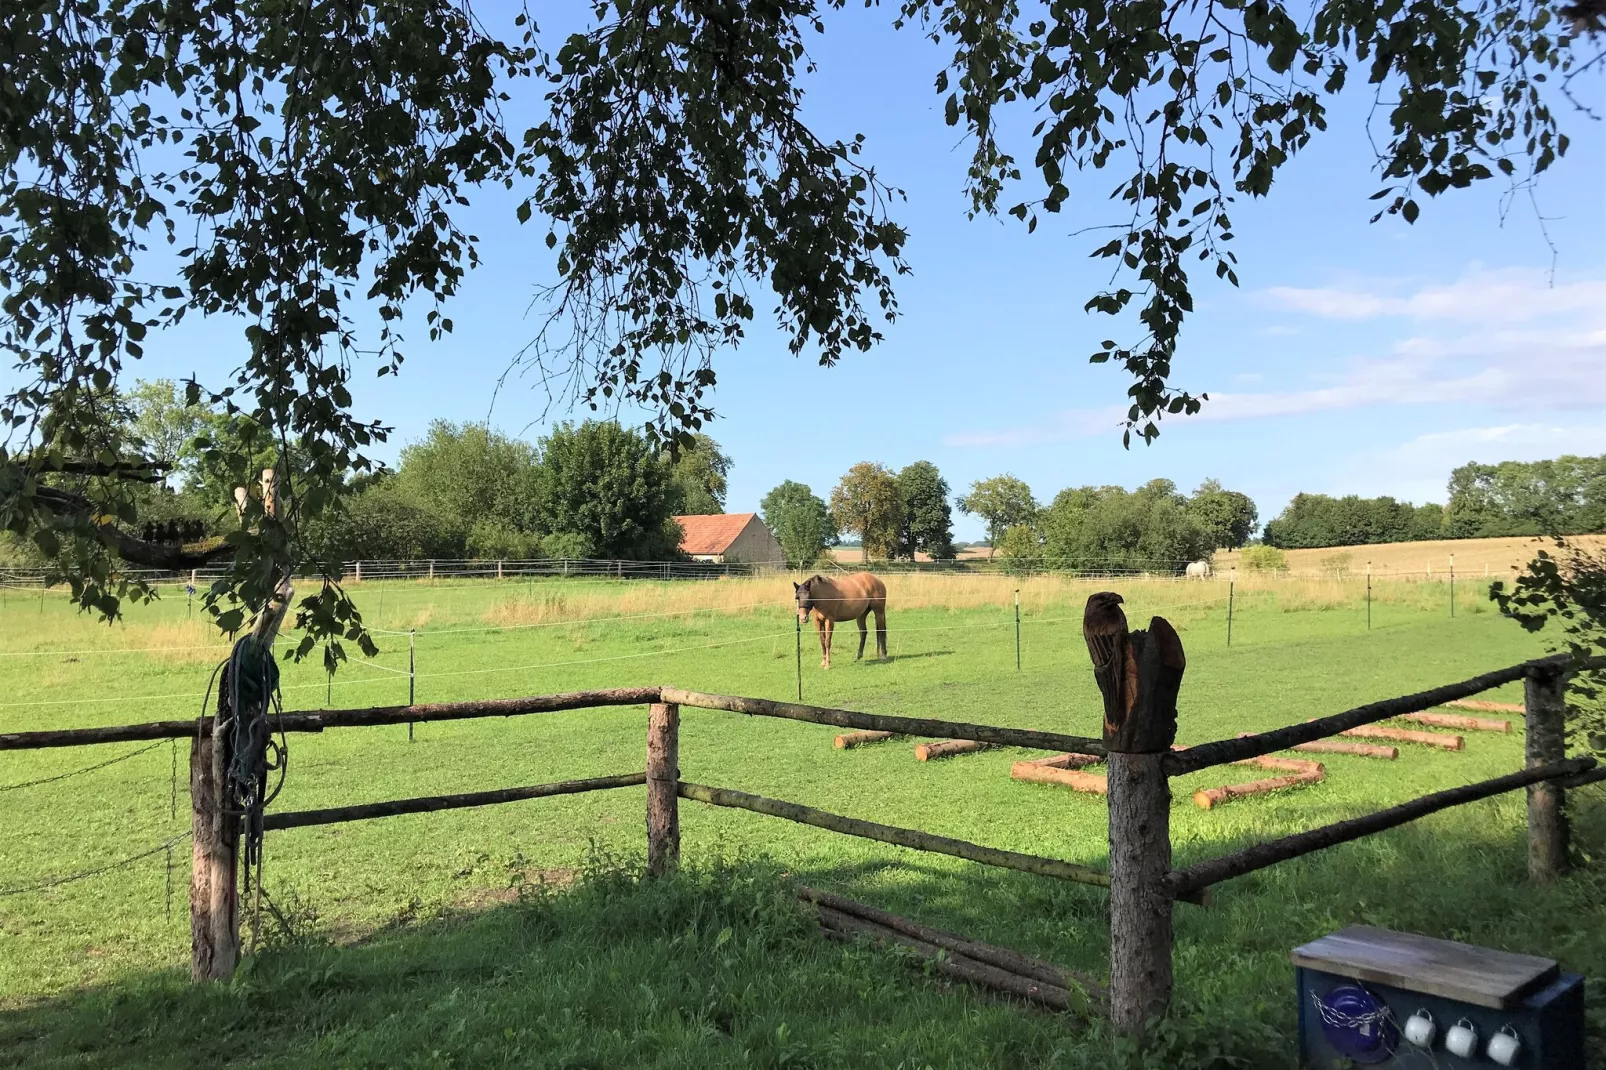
(1140, 723)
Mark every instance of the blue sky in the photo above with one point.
(1355, 357)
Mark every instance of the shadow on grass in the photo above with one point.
(719, 967)
(892, 659)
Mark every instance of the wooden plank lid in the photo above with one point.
(1476, 975)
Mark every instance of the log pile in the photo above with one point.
(849, 740)
(1337, 746)
(971, 961)
(1064, 770)
(1455, 720)
(1487, 707)
(1298, 772)
(925, 752)
(1406, 735)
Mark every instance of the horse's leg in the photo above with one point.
(881, 631)
(825, 625)
(863, 634)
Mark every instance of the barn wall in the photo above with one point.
(755, 545)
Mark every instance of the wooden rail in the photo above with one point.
(1199, 876)
(1222, 751)
(295, 819)
(870, 830)
(872, 722)
(317, 721)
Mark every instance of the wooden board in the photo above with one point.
(1476, 975)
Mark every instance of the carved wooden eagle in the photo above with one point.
(1108, 644)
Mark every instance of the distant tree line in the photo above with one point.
(1312, 520)
(593, 489)
(898, 515)
(1564, 496)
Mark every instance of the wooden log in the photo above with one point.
(1064, 761)
(1335, 746)
(1195, 878)
(663, 778)
(214, 898)
(1284, 765)
(1139, 675)
(1545, 696)
(1362, 750)
(431, 803)
(1486, 707)
(1001, 957)
(858, 739)
(1207, 798)
(905, 726)
(1453, 720)
(955, 965)
(925, 752)
(912, 838)
(1406, 735)
(1223, 751)
(309, 721)
(1087, 783)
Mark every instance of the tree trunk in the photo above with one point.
(1140, 911)
(663, 783)
(1544, 696)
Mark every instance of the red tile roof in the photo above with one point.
(711, 534)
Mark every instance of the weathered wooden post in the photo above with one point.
(663, 789)
(214, 898)
(1139, 675)
(214, 827)
(1544, 694)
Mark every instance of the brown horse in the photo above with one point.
(851, 597)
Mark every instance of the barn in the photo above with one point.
(730, 538)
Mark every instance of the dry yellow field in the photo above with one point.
(1473, 557)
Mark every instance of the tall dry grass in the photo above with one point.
(1418, 560)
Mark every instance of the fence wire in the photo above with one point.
(57, 882)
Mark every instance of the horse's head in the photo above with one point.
(805, 599)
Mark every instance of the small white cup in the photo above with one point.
(1420, 1029)
(1462, 1039)
(1505, 1046)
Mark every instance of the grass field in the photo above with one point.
(1474, 558)
(442, 940)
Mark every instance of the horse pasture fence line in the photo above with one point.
(1140, 725)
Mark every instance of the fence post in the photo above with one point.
(663, 782)
(214, 898)
(1017, 631)
(1139, 727)
(1232, 585)
(1544, 696)
(359, 572)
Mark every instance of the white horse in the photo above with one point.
(1199, 570)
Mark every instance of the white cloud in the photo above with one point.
(1439, 451)
(1500, 339)
(1481, 296)
(1416, 470)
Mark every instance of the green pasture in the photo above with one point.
(463, 939)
